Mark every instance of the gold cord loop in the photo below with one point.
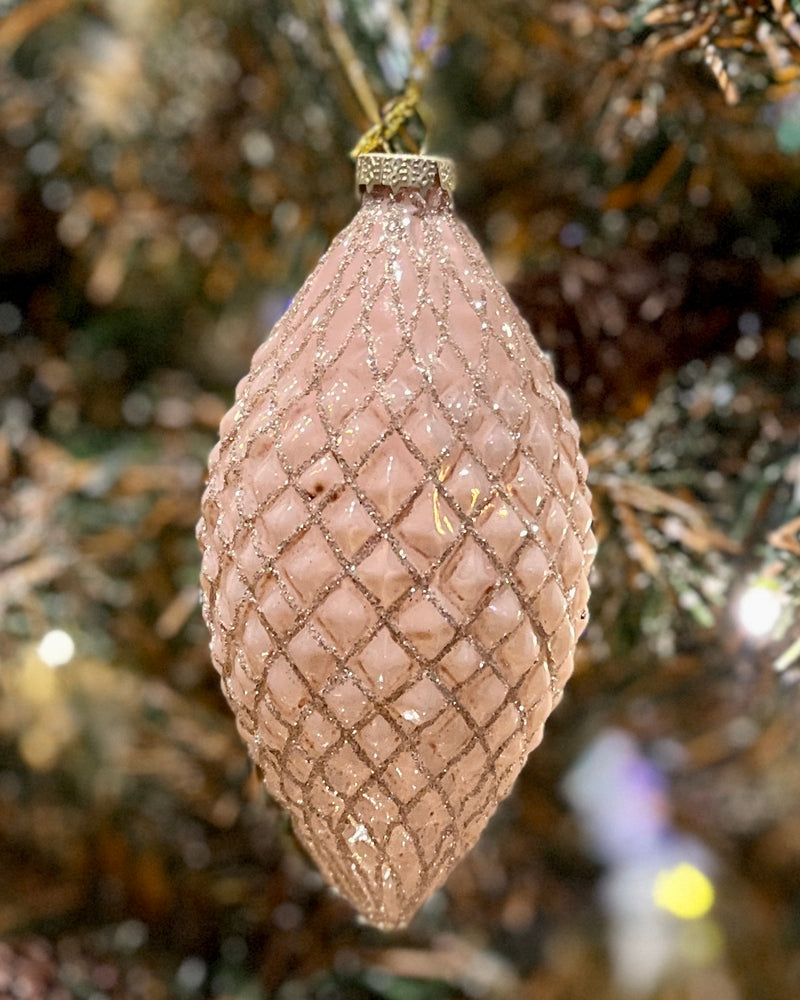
(395, 115)
(389, 128)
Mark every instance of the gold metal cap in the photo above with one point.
(403, 170)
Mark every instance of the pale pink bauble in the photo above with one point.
(396, 544)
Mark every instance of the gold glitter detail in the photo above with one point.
(402, 170)
(396, 545)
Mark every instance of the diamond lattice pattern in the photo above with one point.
(396, 543)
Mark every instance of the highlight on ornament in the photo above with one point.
(396, 546)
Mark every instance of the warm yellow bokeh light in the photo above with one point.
(684, 891)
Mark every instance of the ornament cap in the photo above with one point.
(403, 170)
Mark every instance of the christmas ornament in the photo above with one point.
(396, 543)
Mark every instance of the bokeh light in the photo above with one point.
(684, 891)
(56, 648)
(758, 609)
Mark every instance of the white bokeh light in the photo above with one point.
(56, 648)
(758, 609)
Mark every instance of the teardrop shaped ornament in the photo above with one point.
(396, 546)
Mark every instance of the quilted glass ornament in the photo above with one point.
(396, 543)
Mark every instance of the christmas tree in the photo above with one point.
(170, 174)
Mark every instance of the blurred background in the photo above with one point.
(170, 171)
